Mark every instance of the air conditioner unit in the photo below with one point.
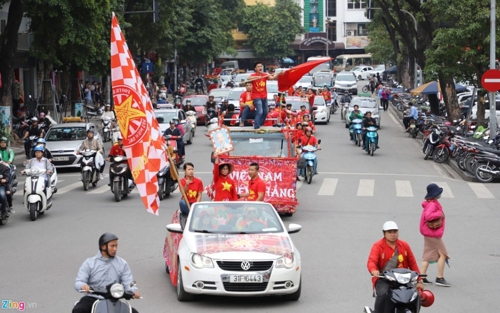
(349, 33)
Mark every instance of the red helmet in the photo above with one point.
(427, 298)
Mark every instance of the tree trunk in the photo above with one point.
(449, 93)
(405, 78)
(481, 119)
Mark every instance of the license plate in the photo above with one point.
(60, 158)
(245, 278)
(412, 126)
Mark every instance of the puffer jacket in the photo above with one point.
(432, 210)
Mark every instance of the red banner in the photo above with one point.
(279, 174)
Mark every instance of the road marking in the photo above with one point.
(380, 174)
(446, 190)
(366, 187)
(439, 170)
(481, 191)
(394, 120)
(328, 187)
(65, 189)
(101, 189)
(403, 188)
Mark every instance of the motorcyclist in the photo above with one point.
(230, 117)
(174, 133)
(346, 98)
(117, 150)
(91, 143)
(223, 107)
(5, 189)
(211, 104)
(368, 121)
(33, 130)
(189, 107)
(47, 154)
(310, 140)
(7, 157)
(101, 270)
(199, 79)
(108, 113)
(355, 114)
(41, 162)
(43, 120)
(334, 97)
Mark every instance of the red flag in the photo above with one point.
(142, 138)
(291, 76)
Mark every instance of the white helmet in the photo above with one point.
(390, 225)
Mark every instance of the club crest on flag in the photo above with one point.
(130, 115)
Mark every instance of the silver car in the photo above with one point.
(64, 140)
(365, 104)
(164, 116)
(234, 97)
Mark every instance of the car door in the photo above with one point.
(186, 125)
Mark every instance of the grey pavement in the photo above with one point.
(341, 211)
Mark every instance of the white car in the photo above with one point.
(322, 113)
(305, 81)
(236, 248)
(346, 81)
(234, 97)
(365, 104)
(377, 69)
(272, 89)
(361, 71)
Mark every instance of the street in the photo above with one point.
(341, 212)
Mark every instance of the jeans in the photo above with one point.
(27, 147)
(183, 206)
(262, 109)
(382, 287)
(3, 198)
(385, 103)
(180, 147)
(406, 121)
(247, 114)
(85, 305)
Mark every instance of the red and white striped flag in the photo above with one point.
(142, 138)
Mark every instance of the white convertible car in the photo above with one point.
(236, 248)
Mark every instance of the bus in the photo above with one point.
(345, 62)
(327, 66)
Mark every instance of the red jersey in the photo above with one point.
(254, 187)
(224, 187)
(291, 91)
(195, 188)
(302, 113)
(298, 134)
(269, 120)
(311, 99)
(309, 141)
(246, 98)
(116, 150)
(259, 89)
(327, 95)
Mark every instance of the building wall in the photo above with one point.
(351, 23)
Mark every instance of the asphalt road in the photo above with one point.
(341, 212)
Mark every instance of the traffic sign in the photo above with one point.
(491, 80)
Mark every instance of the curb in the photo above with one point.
(465, 176)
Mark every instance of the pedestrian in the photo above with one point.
(256, 186)
(193, 188)
(379, 79)
(432, 223)
(372, 84)
(224, 186)
(385, 98)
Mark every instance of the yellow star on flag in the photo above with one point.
(125, 113)
(192, 193)
(251, 192)
(226, 186)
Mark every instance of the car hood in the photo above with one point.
(54, 146)
(233, 245)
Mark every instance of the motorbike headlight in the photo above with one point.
(117, 291)
(403, 278)
(199, 261)
(286, 261)
(204, 112)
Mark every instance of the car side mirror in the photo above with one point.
(294, 228)
(174, 228)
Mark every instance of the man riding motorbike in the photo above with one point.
(101, 270)
(310, 140)
(5, 189)
(188, 107)
(412, 115)
(33, 130)
(199, 80)
(6, 153)
(117, 150)
(368, 121)
(47, 154)
(41, 162)
(174, 133)
(91, 143)
(355, 114)
(43, 120)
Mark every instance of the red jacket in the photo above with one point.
(381, 253)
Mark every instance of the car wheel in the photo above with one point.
(360, 78)
(182, 295)
(296, 295)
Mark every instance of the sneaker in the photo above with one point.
(442, 282)
(426, 281)
(298, 178)
(101, 176)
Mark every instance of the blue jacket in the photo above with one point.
(413, 113)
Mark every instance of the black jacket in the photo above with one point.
(367, 122)
(174, 132)
(5, 172)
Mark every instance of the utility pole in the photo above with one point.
(493, 114)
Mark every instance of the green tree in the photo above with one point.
(271, 29)
(381, 46)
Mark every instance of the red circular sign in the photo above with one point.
(491, 80)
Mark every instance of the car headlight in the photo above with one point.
(117, 291)
(200, 261)
(286, 261)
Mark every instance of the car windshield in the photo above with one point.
(241, 77)
(320, 79)
(306, 79)
(234, 218)
(195, 101)
(319, 101)
(66, 134)
(272, 88)
(346, 78)
(297, 103)
(165, 117)
(220, 93)
(364, 103)
(235, 94)
(250, 144)
(357, 68)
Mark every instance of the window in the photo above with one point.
(332, 8)
(362, 30)
(356, 4)
(332, 31)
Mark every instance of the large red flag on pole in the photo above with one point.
(291, 76)
(142, 138)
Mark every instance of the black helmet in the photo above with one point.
(105, 238)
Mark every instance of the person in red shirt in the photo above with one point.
(299, 92)
(193, 188)
(310, 97)
(327, 95)
(256, 186)
(259, 93)
(310, 140)
(383, 257)
(290, 91)
(302, 111)
(224, 186)
(247, 107)
(117, 150)
(306, 119)
(298, 133)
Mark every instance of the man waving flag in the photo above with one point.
(142, 138)
(291, 76)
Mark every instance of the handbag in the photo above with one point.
(435, 224)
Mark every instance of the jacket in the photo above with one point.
(379, 256)
(5, 172)
(93, 144)
(432, 210)
(7, 155)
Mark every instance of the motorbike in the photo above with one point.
(344, 105)
(487, 167)
(356, 130)
(4, 218)
(371, 141)
(166, 184)
(444, 150)
(431, 142)
(37, 196)
(191, 117)
(33, 143)
(212, 119)
(173, 143)
(90, 173)
(403, 294)
(178, 101)
(121, 186)
(106, 129)
(309, 154)
(113, 298)
(198, 86)
(92, 110)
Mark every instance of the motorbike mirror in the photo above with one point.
(319, 141)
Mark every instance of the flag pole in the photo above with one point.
(176, 174)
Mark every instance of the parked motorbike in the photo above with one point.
(487, 167)
(403, 294)
(166, 184)
(309, 154)
(106, 128)
(90, 173)
(37, 196)
(121, 186)
(191, 117)
(92, 110)
(431, 142)
(444, 150)
(113, 298)
(356, 130)
(371, 141)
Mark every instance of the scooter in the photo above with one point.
(403, 295)
(3, 218)
(309, 153)
(191, 117)
(371, 141)
(90, 174)
(356, 131)
(106, 128)
(37, 196)
(487, 168)
(178, 101)
(431, 142)
(113, 298)
(166, 184)
(33, 143)
(121, 186)
(92, 110)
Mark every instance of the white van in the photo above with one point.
(230, 64)
(487, 110)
